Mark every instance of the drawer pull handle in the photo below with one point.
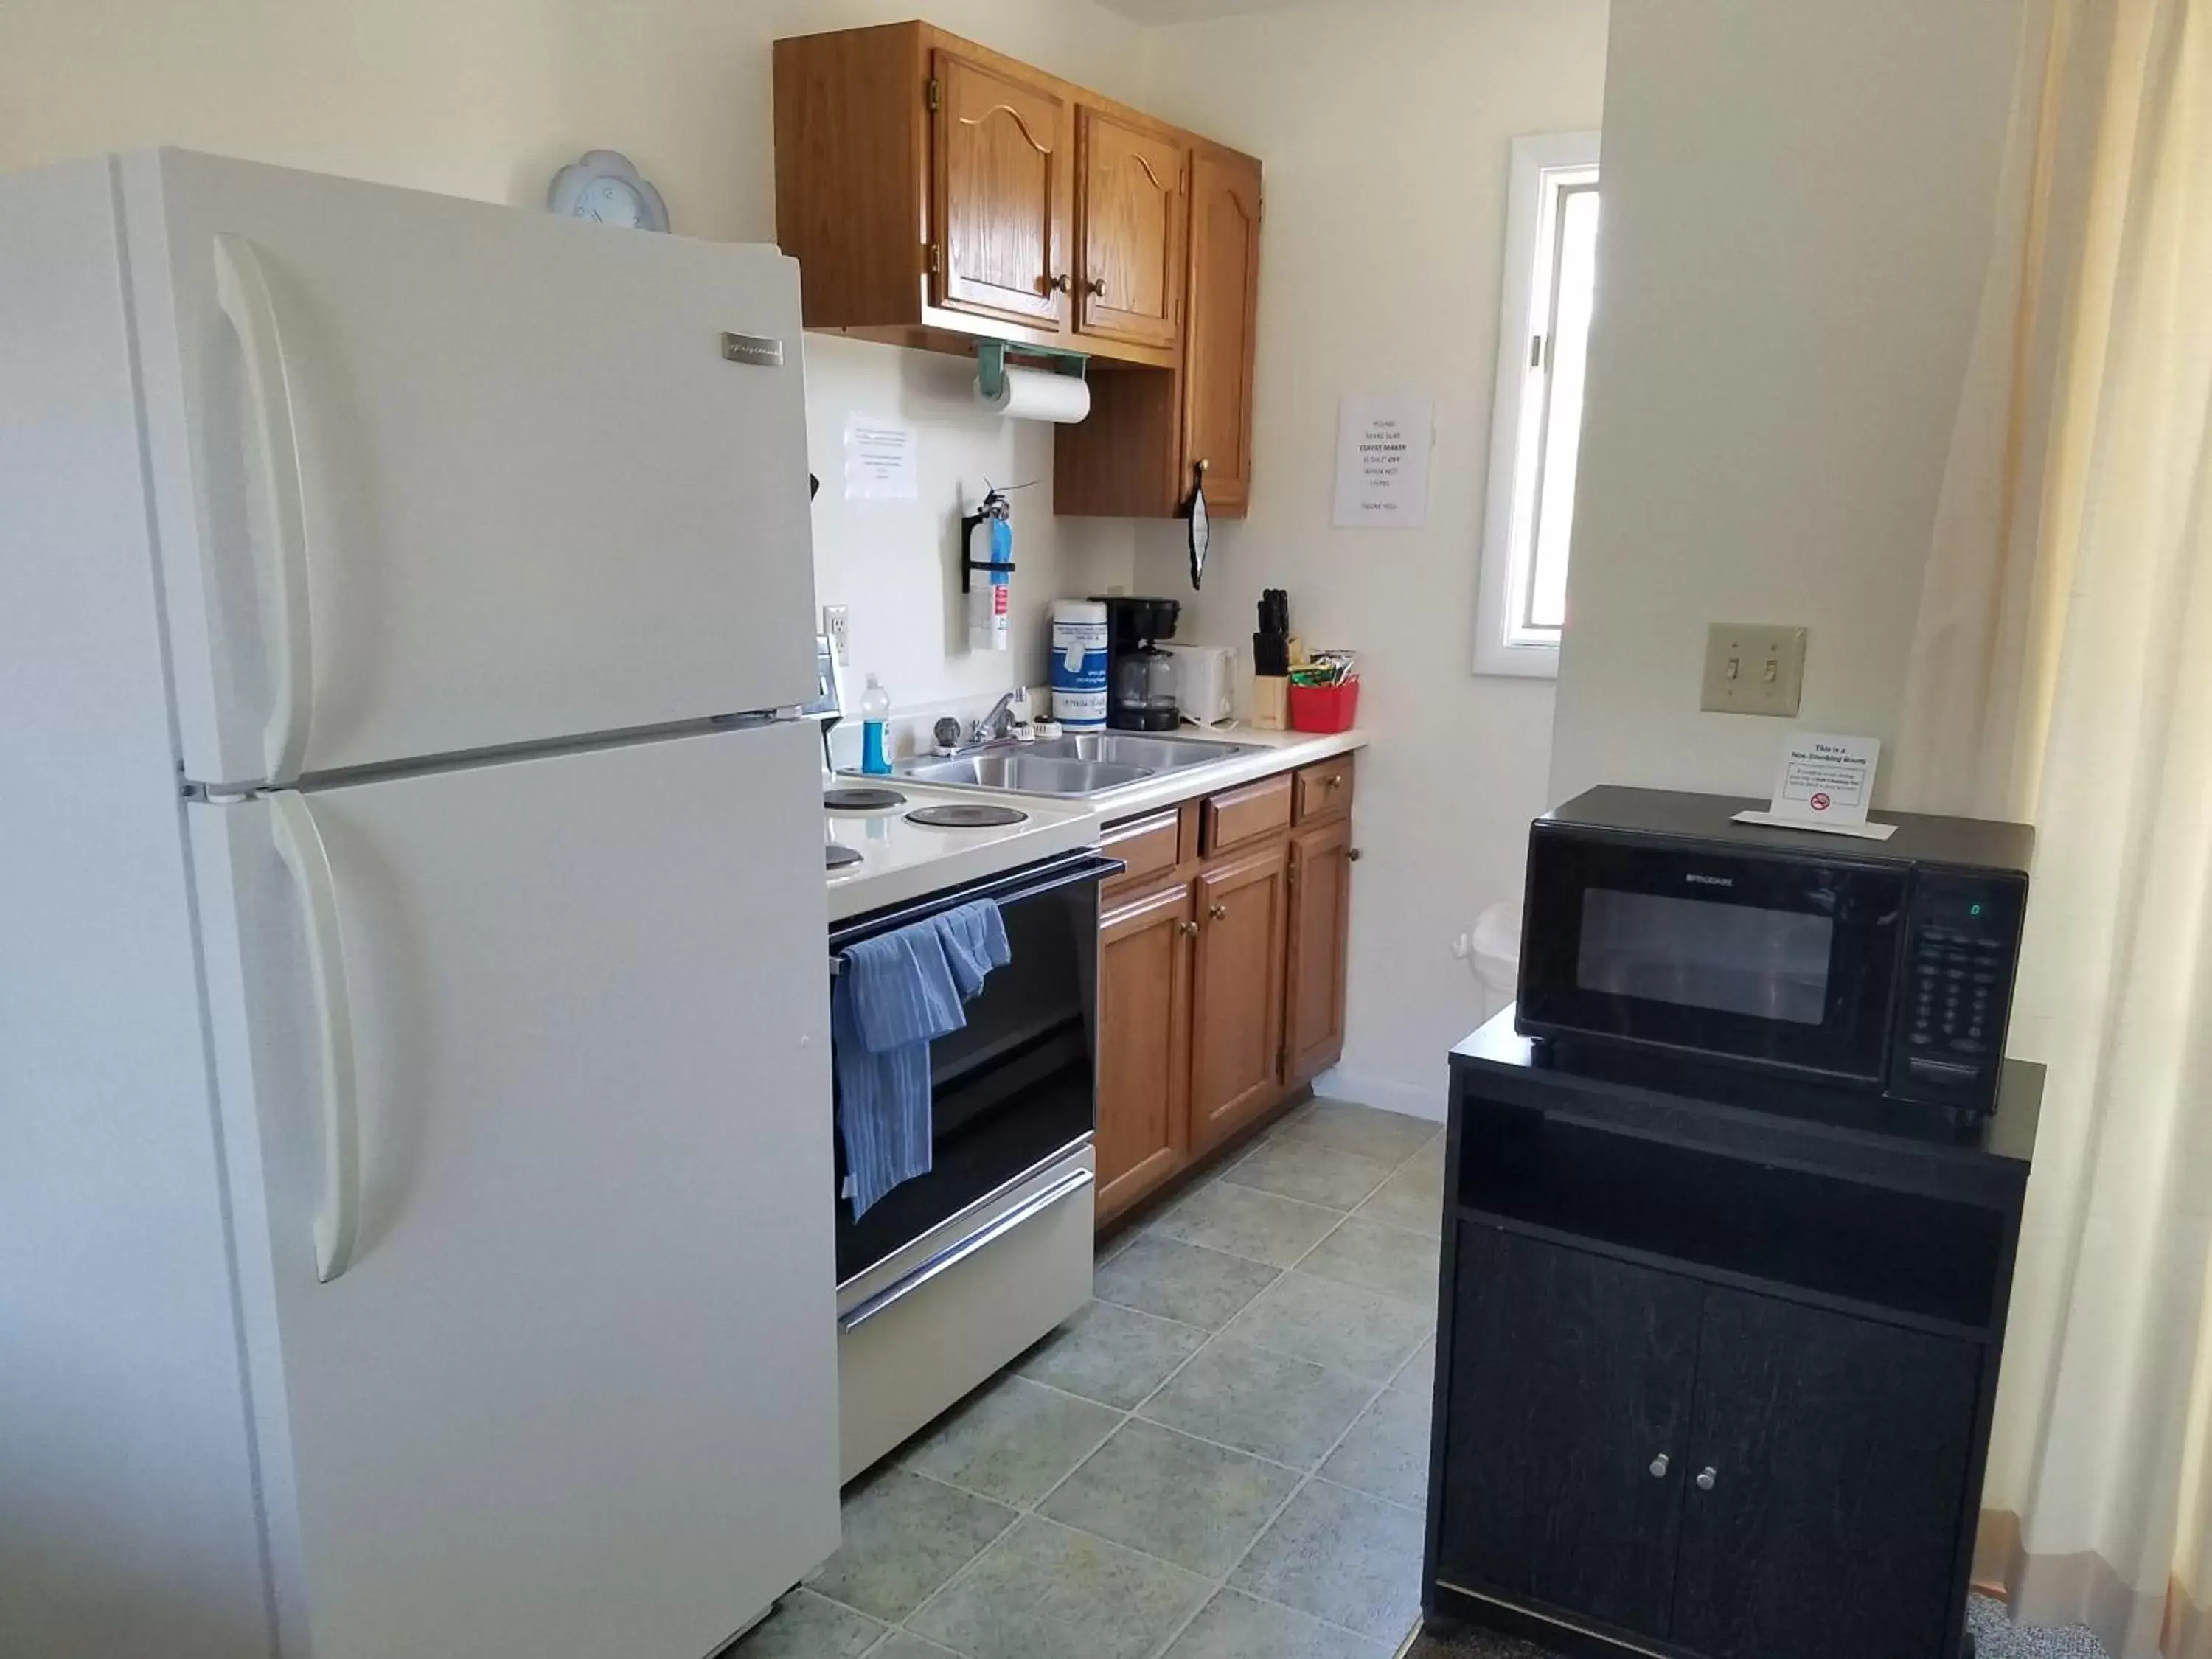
(1333, 781)
(1706, 1479)
(1659, 1466)
(1218, 912)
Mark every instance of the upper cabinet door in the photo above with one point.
(1130, 286)
(1004, 180)
(1225, 302)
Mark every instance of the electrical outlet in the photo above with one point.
(836, 622)
(1753, 668)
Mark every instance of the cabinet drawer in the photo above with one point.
(1238, 816)
(1148, 846)
(1324, 790)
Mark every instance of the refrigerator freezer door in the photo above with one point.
(576, 1392)
(434, 476)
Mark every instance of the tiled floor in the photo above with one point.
(1224, 1456)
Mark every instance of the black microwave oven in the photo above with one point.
(1656, 930)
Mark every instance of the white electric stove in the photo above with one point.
(900, 859)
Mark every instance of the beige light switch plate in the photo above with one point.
(1753, 668)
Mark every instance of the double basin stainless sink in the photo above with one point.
(1071, 768)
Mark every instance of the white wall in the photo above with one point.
(1798, 203)
(1384, 130)
(489, 98)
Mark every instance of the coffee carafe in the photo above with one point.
(1141, 677)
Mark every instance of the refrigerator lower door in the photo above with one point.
(568, 1386)
(434, 476)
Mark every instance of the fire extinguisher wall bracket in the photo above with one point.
(993, 508)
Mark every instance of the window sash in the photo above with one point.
(1551, 174)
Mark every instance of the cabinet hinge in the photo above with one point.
(937, 259)
(1290, 875)
(935, 95)
(1283, 1061)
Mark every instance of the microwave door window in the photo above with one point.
(1766, 964)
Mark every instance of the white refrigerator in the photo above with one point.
(415, 1155)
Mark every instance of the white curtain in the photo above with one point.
(2063, 672)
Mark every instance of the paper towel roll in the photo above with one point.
(1039, 394)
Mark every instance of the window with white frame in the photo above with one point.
(1543, 338)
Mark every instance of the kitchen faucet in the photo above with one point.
(998, 723)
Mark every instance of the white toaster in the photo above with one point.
(1204, 681)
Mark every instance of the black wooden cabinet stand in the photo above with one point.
(1712, 1381)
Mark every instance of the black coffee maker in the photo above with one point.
(1140, 676)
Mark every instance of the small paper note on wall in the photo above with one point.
(879, 461)
(1383, 446)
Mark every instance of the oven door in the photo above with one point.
(1780, 961)
(1017, 1086)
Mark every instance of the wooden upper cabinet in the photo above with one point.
(1223, 328)
(1004, 177)
(1138, 454)
(1132, 212)
(928, 188)
(937, 193)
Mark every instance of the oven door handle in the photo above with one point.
(953, 1255)
(1093, 867)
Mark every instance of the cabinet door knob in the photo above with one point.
(1096, 286)
(1707, 1478)
(1351, 854)
(1189, 929)
(1659, 1466)
(1218, 912)
(1333, 781)
(1058, 284)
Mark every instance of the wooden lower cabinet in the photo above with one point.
(1144, 1071)
(1221, 971)
(1318, 935)
(1236, 1005)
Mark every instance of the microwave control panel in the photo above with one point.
(1955, 994)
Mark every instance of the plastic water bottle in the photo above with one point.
(875, 728)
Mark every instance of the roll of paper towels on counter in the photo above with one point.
(1039, 394)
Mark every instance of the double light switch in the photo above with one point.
(1753, 668)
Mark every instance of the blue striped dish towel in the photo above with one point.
(895, 995)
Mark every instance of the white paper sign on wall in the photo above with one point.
(879, 461)
(1382, 445)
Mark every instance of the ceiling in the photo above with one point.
(1192, 11)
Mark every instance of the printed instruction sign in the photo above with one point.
(879, 461)
(1826, 783)
(1382, 445)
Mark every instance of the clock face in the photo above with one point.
(606, 189)
(612, 202)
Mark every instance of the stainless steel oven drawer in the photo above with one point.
(926, 1327)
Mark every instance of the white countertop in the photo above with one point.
(901, 861)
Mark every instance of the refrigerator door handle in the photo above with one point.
(242, 289)
(299, 845)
